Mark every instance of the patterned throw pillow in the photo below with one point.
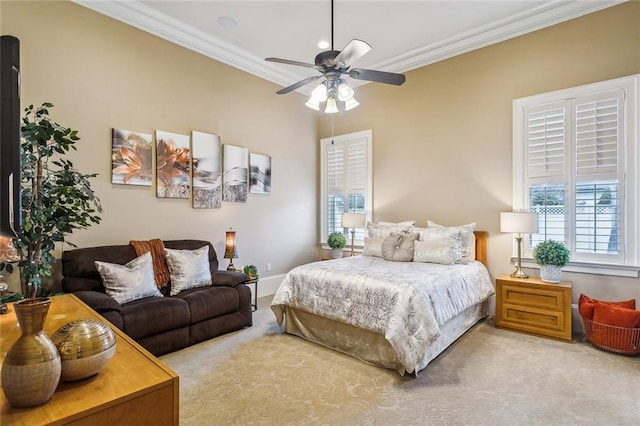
(133, 281)
(188, 268)
(384, 229)
(434, 252)
(468, 239)
(448, 236)
(399, 247)
(372, 247)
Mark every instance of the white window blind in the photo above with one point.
(574, 153)
(346, 180)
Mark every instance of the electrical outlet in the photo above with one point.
(268, 267)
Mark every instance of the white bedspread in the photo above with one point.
(404, 301)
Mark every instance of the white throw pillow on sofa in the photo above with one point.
(133, 281)
(188, 268)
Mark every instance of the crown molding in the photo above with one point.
(543, 16)
(149, 20)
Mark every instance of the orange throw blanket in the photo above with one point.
(160, 268)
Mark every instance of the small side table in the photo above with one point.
(254, 305)
(533, 306)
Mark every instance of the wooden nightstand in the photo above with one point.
(533, 306)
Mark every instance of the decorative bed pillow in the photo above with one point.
(372, 247)
(133, 281)
(403, 223)
(450, 237)
(377, 230)
(468, 238)
(188, 268)
(434, 252)
(586, 305)
(399, 247)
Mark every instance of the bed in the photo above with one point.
(394, 314)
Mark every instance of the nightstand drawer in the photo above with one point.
(532, 320)
(533, 296)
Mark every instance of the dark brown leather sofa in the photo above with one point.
(162, 324)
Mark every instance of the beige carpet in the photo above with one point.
(488, 377)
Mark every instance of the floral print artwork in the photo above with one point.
(173, 165)
(131, 162)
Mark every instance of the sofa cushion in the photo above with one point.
(129, 282)
(210, 302)
(188, 268)
(146, 317)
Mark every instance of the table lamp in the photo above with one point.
(519, 223)
(353, 221)
(230, 250)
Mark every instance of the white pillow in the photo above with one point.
(377, 230)
(405, 223)
(468, 238)
(451, 237)
(133, 281)
(188, 268)
(434, 252)
(372, 247)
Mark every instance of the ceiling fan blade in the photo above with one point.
(377, 76)
(288, 62)
(298, 84)
(354, 50)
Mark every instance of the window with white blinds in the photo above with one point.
(346, 180)
(576, 165)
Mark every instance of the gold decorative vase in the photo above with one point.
(32, 367)
(85, 347)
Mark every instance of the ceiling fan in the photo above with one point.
(334, 93)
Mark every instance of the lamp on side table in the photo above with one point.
(353, 221)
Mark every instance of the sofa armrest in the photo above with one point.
(99, 302)
(228, 278)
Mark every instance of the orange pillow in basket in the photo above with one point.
(586, 305)
(623, 339)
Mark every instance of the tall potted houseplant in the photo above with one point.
(551, 256)
(56, 198)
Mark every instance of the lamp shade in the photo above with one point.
(353, 220)
(519, 222)
(230, 251)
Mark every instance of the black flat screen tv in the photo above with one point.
(10, 208)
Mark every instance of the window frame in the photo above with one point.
(630, 162)
(368, 202)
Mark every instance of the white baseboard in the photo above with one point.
(267, 286)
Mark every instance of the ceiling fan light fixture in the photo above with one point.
(319, 94)
(313, 104)
(351, 104)
(332, 106)
(344, 92)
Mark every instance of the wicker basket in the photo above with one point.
(609, 338)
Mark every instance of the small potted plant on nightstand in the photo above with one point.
(551, 256)
(336, 241)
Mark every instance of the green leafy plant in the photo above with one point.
(251, 270)
(56, 198)
(551, 253)
(336, 240)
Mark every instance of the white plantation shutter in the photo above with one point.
(599, 181)
(576, 165)
(346, 179)
(599, 121)
(546, 132)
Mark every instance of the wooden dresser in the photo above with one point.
(533, 306)
(135, 388)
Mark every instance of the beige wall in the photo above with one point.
(101, 73)
(442, 141)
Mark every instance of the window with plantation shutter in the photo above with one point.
(575, 158)
(346, 180)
